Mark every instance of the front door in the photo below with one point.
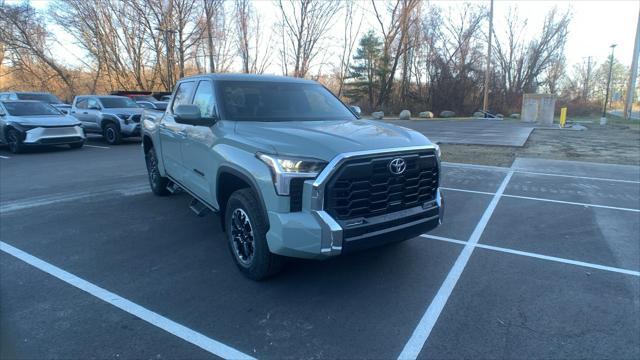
(198, 157)
(172, 134)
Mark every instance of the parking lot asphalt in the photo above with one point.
(471, 131)
(533, 261)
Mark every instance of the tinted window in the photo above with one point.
(48, 98)
(205, 100)
(279, 101)
(118, 102)
(81, 103)
(30, 108)
(182, 94)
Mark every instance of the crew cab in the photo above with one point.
(115, 117)
(290, 169)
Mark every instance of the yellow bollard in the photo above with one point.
(563, 116)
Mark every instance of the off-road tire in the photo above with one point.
(263, 263)
(111, 133)
(157, 182)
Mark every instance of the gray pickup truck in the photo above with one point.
(115, 117)
(292, 171)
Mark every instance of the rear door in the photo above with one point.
(172, 134)
(200, 163)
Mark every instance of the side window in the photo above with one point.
(81, 103)
(182, 94)
(92, 104)
(146, 105)
(205, 100)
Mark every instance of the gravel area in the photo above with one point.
(613, 144)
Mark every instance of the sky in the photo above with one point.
(595, 25)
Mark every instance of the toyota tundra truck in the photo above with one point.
(291, 170)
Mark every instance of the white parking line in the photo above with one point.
(544, 199)
(421, 333)
(4, 157)
(504, 169)
(99, 147)
(170, 326)
(537, 256)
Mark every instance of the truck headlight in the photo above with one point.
(438, 152)
(283, 169)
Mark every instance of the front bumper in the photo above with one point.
(130, 129)
(54, 135)
(316, 235)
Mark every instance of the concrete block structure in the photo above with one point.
(538, 108)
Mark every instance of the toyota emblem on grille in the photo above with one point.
(397, 166)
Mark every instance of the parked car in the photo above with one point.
(115, 117)
(28, 122)
(292, 171)
(39, 96)
(152, 105)
(146, 99)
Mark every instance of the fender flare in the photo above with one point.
(242, 174)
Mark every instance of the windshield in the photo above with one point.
(279, 101)
(46, 97)
(118, 102)
(30, 108)
(144, 98)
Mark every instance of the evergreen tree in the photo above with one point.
(365, 73)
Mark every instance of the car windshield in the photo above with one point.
(118, 102)
(30, 108)
(45, 97)
(279, 101)
(144, 98)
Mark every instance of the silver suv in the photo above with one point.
(115, 117)
(290, 169)
(46, 97)
(24, 123)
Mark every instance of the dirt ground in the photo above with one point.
(612, 144)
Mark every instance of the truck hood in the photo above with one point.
(124, 111)
(46, 120)
(326, 139)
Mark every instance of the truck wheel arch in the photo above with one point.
(147, 143)
(230, 179)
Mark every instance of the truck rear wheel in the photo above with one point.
(246, 235)
(157, 182)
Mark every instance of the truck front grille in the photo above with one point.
(135, 118)
(366, 187)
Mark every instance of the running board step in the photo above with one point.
(173, 188)
(199, 208)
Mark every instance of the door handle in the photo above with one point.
(85, 113)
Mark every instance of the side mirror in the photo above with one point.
(356, 110)
(190, 115)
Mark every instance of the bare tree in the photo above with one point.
(394, 40)
(25, 38)
(248, 39)
(303, 24)
(350, 34)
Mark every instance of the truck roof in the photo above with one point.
(252, 77)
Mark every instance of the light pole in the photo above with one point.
(165, 35)
(485, 100)
(603, 119)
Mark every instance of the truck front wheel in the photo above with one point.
(157, 182)
(246, 234)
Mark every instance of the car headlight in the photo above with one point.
(284, 168)
(438, 152)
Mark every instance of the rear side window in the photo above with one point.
(182, 94)
(205, 100)
(81, 103)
